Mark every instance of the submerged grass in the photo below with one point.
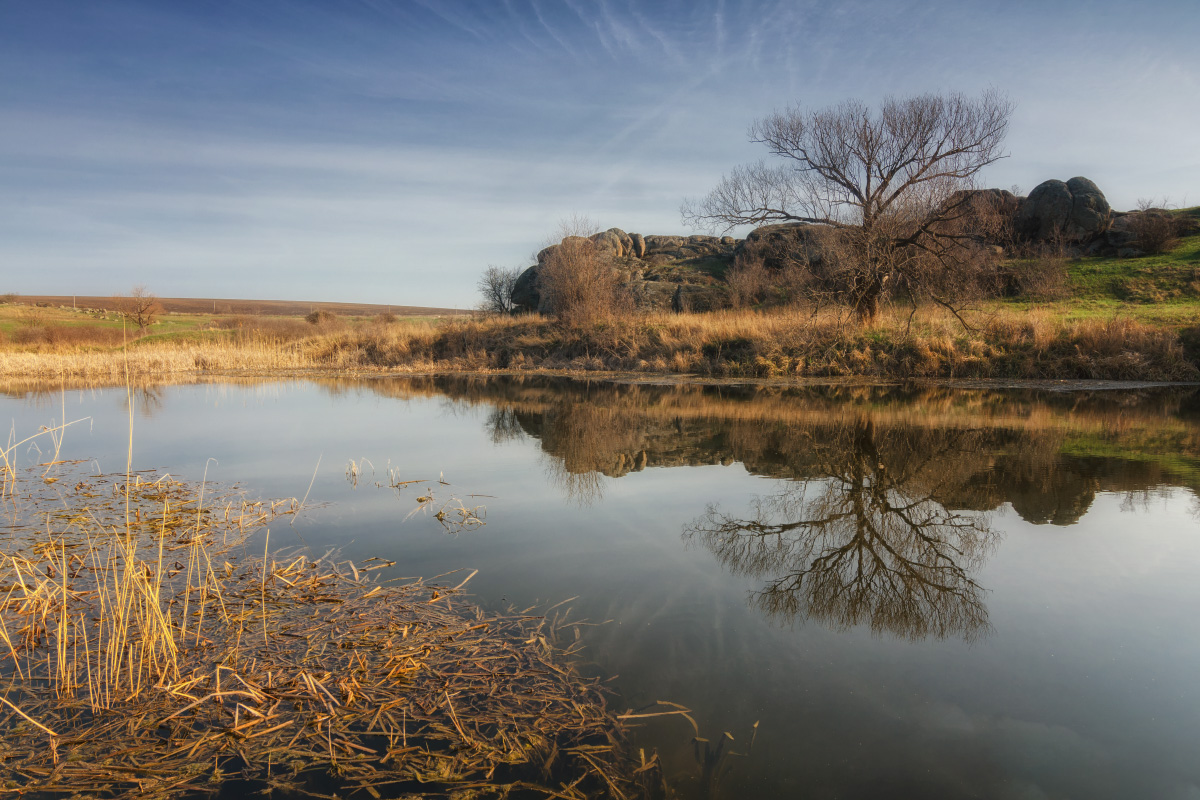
(146, 652)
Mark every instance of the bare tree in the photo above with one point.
(140, 307)
(496, 286)
(884, 186)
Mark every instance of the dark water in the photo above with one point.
(928, 593)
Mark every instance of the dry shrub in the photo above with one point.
(1042, 278)
(749, 282)
(1155, 229)
(321, 318)
(578, 284)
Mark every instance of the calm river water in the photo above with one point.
(915, 593)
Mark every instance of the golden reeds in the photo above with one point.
(1004, 343)
(144, 652)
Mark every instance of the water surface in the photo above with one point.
(930, 593)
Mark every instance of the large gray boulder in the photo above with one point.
(1075, 211)
(785, 244)
(663, 244)
(525, 294)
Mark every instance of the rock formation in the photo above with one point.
(661, 272)
(665, 272)
(1075, 211)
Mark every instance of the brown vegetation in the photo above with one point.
(145, 653)
(577, 282)
(923, 344)
(1155, 229)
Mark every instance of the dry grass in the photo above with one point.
(1004, 343)
(146, 652)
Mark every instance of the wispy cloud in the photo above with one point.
(148, 134)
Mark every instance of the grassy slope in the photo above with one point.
(1159, 289)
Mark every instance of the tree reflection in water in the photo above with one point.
(883, 518)
(872, 543)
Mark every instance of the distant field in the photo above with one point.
(277, 308)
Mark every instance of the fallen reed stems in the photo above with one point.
(146, 651)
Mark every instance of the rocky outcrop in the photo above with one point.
(639, 245)
(658, 271)
(784, 245)
(1075, 211)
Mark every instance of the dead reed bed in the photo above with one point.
(742, 343)
(146, 651)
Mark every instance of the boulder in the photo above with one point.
(638, 249)
(1075, 210)
(989, 211)
(609, 242)
(525, 294)
(1121, 233)
(626, 241)
(544, 253)
(660, 244)
(786, 244)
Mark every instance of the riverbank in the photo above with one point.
(1006, 343)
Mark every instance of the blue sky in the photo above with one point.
(387, 151)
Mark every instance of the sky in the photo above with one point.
(388, 151)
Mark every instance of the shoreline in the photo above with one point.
(736, 347)
(617, 377)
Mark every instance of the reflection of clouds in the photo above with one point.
(1031, 758)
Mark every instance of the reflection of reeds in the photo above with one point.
(157, 657)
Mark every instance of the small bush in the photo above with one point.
(1155, 231)
(749, 282)
(579, 284)
(320, 317)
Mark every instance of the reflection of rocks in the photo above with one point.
(1026, 448)
(618, 430)
(1061, 500)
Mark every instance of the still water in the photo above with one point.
(914, 593)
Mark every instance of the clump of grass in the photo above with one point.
(146, 653)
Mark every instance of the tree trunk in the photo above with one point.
(866, 300)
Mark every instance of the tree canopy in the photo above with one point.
(886, 186)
